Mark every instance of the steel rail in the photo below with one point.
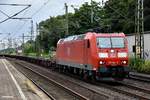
(141, 97)
(145, 90)
(92, 90)
(77, 95)
(139, 77)
(42, 89)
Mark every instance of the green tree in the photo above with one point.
(115, 16)
(146, 15)
(81, 20)
(121, 14)
(29, 47)
(51, 31)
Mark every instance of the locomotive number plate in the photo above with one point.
(112, 55)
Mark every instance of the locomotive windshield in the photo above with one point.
(110, 42)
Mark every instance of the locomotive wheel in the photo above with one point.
(85, 76)
(93, 76)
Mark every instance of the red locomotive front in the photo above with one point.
(113, 55)
(102, 56)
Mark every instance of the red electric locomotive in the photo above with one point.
(100, 56)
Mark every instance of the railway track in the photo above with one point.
(129, 89)
(137, 92)
(83, 93)
(132, 86)
(140, 77)
(72, 94)
(40, 87)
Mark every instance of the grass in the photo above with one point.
(140, 65)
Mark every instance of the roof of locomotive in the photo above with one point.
(107, 34)
(89, 34)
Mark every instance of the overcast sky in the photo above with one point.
(39, 10)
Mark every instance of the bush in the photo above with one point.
(136, 63)
(146, 67)
(139, 65)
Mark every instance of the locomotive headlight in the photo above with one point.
(124, 62)
(101, 62)
(122, 54)
(103, 55)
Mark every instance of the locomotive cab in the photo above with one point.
(112, 55)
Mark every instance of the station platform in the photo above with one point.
(15, 86)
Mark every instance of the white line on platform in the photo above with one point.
(16, 83)
(8, 97)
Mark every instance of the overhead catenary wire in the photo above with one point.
(4, 4)
(44, 4)
(11, 17)
(15, 14)
(37, 11)
(25, 10)
(4, 13)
